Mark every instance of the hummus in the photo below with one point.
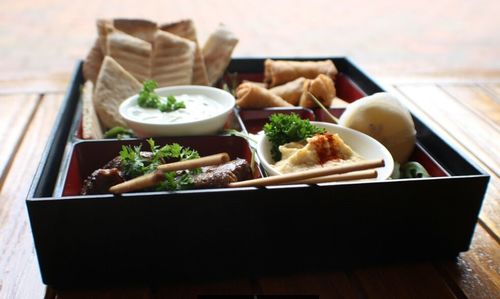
(323, 150)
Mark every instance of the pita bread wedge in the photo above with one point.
(139, 28)
(186, 29)
(172, 59)
(91, 128)
(132, 53)
(104, 26)
(217, 52)
(93, 62)
(114, 85)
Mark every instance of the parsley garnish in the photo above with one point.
(148, 98)
(284, 128)
(118, 133)
(135, 164)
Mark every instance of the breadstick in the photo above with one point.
(138, 183)
(195, 163)
(350, 176)
(299, 176)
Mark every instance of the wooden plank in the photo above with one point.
(494, 89)
(20, 277)
(16, 112)
(481, 139)
(324, 285)
(477, 100)
(424, 101)
(490, 211)
(476, 272)
(49, 83)
(403, 281)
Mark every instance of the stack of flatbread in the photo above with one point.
(129, 51)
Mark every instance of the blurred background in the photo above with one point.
(42, 40)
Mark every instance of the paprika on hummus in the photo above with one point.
(322, 150)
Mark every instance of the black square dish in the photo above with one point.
(154, 236)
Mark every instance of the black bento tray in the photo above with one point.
(157, 236)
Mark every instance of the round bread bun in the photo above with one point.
(383, 117)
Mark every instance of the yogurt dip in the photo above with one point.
(198, 106)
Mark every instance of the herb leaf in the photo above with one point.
(131, 160)
(119, 133)
(136, 164)
(284, 128)
(148, 98)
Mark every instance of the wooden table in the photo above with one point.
(449, 39)
(467, 112)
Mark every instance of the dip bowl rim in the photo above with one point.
(205, 126)
(383, 173)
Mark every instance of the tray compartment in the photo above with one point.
(88, 156)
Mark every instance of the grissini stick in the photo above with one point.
(156, 177)
(350, 176)
(333, 118)
(138, 183)
(195, 163)
(298, 176)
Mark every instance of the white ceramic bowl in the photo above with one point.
(207, 125)
(364, 145)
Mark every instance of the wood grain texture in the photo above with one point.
(464, 125)
(19, 274)
(477, 138)
(476, 273)
(403, 281)
(26, 84)
(494, 89)
(477, 100)
(16, 112)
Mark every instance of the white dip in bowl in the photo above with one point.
(206, 111)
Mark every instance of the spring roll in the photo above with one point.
(277, 72)
(322, 88)
(291, 91)
(252, 96)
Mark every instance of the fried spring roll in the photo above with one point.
(322, 88)
(277, 72)
(252, 96)
(291, 91)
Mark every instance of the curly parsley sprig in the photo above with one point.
(284, 128)
(135, 163)
(148, 98)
